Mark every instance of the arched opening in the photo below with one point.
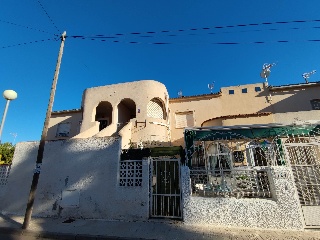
(126, 111)
(104, 114)
(155, 109)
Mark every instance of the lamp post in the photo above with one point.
(8, 95)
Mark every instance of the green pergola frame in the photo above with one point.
(245, 132)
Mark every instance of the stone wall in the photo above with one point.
(283, 211)
(79, 179)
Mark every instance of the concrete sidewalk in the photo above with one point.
(153, 229)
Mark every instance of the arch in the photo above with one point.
(156, 109)
(126, 111)
(104, 114)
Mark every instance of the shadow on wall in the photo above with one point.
(15, 194)
(293, 100)
(79, 179)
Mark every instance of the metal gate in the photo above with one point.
(305, 164)
(165, 194)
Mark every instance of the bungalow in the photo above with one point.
(251, 157)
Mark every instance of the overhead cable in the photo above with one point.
(26, 43)
(151, 33)
(19, 25)
(50, 19)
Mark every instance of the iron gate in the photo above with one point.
(305, 164)
(165, 194)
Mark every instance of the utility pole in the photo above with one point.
(37, 170)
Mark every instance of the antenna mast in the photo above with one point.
(266, 70)
(306, 76)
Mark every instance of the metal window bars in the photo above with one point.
(4, 174)
(240, 183)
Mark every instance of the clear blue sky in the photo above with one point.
(190, 61)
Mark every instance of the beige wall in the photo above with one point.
(285, 104)
(294, 99)
(140, 92)
(217, 105)
(245, 120)
(73, 117)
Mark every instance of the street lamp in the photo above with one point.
(8, 95)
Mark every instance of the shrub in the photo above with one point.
(6, 153)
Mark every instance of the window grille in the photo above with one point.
(240, 183)
(130, 173)
(315, 104)
(184, 119)
(234, 169)
(244, 90)
(231, 92)
(155, 109)
(63, 129)
(4, 174)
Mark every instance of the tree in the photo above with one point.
(6, 153)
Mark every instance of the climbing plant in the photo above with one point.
(6, 153)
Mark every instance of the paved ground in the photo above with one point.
(47, 228)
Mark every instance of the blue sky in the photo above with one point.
(125, 48)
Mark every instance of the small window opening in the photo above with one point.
(257, 89)
(315, 104)
(244, 90)
(231, 91)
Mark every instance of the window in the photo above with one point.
(257, 89)
(63, 129)
(231, 91)
(219, 157)
(244, 90)
(238, 157)
(184, 119)
(155, 109)
(315, 104)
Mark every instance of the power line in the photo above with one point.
(19, 25)
(26, 43)
(111, 40)
(202, 29)
(48, 16)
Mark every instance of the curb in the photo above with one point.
(64, 236)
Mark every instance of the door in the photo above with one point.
(305, 164)
(165, 197)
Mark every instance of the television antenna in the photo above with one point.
(211, 86)
(306, 76)
(14, 135)
(265, 73)
(180, 94)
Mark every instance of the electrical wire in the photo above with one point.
(151, 33)
(50, 19)
(19, 25)
(26, 43)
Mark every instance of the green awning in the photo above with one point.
(245, 132)
(250, 131)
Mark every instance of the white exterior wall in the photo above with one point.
(88, 169)
(283, 211)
